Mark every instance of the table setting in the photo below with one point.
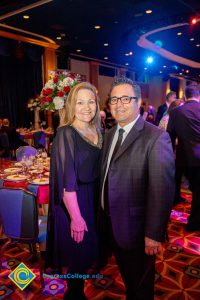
(31, 173)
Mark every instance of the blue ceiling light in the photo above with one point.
(149, 60)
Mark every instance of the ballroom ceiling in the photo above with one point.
(123, 26)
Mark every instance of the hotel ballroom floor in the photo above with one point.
(177, 269)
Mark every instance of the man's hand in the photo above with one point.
(152, 247)
(77, 229)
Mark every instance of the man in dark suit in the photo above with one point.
(184, 123)
(162, 109)
(137, 184)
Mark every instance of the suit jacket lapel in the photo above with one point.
(107, 145)
(131, 137)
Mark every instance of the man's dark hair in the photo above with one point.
(169, 95)
(191, 91)
(124, 80)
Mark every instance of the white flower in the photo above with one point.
(50, 84)
(58, 102)
(68, 81)
(60, 85)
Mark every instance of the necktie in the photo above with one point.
(117, 146)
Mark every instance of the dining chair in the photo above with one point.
(25, 150)
(21, 223)
(39, 139)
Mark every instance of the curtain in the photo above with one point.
(20, 80)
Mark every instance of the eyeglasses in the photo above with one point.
(123, 99)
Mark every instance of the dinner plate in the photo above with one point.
(33, 167)
(17, 164)
(47, 174)
(16, 177)
(40, 181)
(34, 171)
(11, 170)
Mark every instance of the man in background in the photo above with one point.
(162, 109)
(184, 124)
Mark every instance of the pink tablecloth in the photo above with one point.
(42, 192)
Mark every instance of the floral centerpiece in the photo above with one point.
(54, 94)
(56, 90)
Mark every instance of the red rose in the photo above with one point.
(44, 92)
(49, 91)
(66, 89)
(48, 99)
(43, 99)
(55, 80)
(71, 76)
(60, 94)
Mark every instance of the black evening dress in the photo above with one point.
(74, 167)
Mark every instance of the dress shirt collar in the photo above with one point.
(128, 127)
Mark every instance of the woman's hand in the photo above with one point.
(78, 226)
(152, 247)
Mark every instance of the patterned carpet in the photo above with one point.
(177, 269)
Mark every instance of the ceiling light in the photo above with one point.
(194, 21)
(187, 71)
(130, 53)
(78, 50)
(63, 34)
(192, 39)
(180, 73)
(106, 44)
(198, 45)
(164, 66)
(26, 17)
(179, 33)
(106, 57)
(127, 64)
(148, 11)
(97, 26)
(145, 68)
(127, 54)
(160, 72)
(59, 38)
(149, 60)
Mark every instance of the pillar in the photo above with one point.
(49, 64)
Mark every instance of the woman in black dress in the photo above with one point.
(71, 236)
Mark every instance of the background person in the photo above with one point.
(184, 124)
(162, 109)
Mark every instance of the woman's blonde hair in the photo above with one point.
(71, 102)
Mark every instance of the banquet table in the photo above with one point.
(27, 136)
(39, 186)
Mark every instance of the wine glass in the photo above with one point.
(44, 154)
(39, 153)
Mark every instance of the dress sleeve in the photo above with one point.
(62, 171)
